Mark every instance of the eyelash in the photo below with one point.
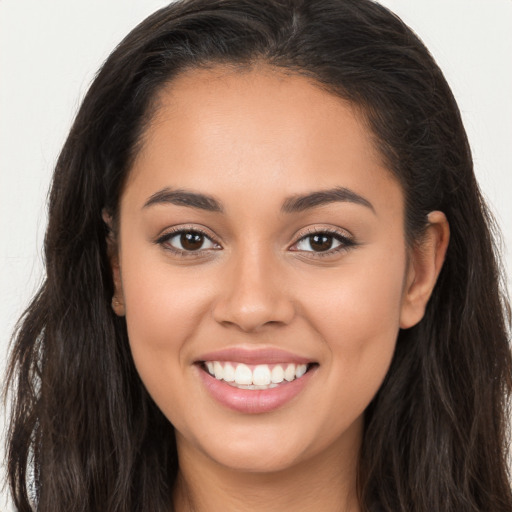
(346, 242)
(164, 239)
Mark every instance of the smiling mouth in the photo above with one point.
(255, 377)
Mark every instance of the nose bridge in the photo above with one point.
(252, 292)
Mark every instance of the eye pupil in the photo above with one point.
(320, 242)
(191, 241)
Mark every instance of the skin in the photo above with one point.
(252, 140)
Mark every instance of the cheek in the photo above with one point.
(359, 301)
(358, 320)
(162, 301)
(164, 309)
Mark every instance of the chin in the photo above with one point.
(255, 453)
(257, 460)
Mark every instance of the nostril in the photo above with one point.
(252, 298)
(255, 317)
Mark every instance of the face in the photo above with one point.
(261, 267)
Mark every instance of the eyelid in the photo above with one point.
(345, 238)
(171, 232)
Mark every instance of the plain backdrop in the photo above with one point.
(51, 49)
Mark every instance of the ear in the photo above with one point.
(425, 262)
(113, 256)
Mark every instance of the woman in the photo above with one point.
(271, 281)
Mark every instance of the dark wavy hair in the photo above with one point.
(85, 435)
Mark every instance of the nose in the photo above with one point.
(253, 294)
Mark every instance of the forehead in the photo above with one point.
(225, 128)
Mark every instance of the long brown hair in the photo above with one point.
(84, 433)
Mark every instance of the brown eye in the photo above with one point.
(321, 242)
(191, 241)
(188, 241)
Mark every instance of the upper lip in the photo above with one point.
(254, 356)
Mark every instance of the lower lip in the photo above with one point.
(254, 401)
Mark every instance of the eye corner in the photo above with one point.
(336, 240)
(192, 245)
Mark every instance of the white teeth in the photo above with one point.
(243, 374)
(218, 370)
(301, 370)
(289, 373)
(229, 373)
(277, 374)
(261, 377)
(253, 386)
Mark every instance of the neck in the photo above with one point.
(324, 482)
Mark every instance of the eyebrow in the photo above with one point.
(184, 198)
(301, 203)
(294, 204)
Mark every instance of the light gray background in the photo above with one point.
(50, 50)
